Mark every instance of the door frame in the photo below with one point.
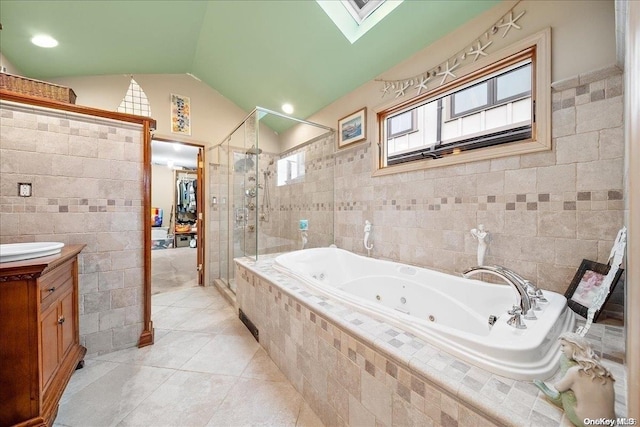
(147, 337)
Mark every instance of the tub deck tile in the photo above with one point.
(452, 389)
(519, 405)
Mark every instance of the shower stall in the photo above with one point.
(266, 199)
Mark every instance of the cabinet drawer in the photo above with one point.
(53, 284)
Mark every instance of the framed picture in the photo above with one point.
(585, 285)
(180, 114)
(352, 128)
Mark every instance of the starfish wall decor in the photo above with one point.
(474, 50)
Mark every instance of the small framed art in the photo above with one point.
(352, 128)
(180, 114)
(585, 285)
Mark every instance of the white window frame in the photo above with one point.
(358, 14)
(541, 117)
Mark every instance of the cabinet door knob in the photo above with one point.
(61, 320)
(51, 289)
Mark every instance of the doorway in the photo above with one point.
(177, 210)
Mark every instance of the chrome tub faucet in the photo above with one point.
(520, 286)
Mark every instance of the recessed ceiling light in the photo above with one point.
(287, 108)
(44, 40)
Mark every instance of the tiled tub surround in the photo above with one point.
(354, 370)
(87, 188)
(545, 212)
(450, 312)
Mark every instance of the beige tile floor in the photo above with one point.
(205, 369)
(173, 269)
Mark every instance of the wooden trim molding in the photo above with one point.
(146, 338)
(7, 95)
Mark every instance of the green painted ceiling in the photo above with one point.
(255, 53)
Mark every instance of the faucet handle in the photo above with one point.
(540, 296)
(515, 310)
(534, 292)
(534, 303)
(516, 318)
(531, 288)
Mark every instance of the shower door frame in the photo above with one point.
(231, 210)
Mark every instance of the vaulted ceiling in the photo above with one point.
(255, 53)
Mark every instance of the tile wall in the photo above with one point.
(311, 197)
(545, 212)
(87, 188)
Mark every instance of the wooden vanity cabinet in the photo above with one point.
(39, 336)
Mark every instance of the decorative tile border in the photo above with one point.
(510, 202)
(50, 205)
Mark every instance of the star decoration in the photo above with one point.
(479, 50)
(476, 49)
(423, 83)
(511, 23)
(448, 72)
(385, 89)
(401, 88)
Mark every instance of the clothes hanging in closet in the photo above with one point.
(186, 200)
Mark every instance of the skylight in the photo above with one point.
(361, 9)
(355, 17)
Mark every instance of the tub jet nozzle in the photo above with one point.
(492, 319)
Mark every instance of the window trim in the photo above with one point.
(538, 48)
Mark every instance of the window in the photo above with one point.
(490, 110)
(360, 9)
(402, 124)
(135, 101)
(291, 169)
(500, 107)
(506, 87)
(468, 100)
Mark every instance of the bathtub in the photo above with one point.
(451, 313)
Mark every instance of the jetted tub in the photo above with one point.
(19, 251)
(449, 312)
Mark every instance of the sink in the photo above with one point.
(20, 251)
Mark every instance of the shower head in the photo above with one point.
(254, 150)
